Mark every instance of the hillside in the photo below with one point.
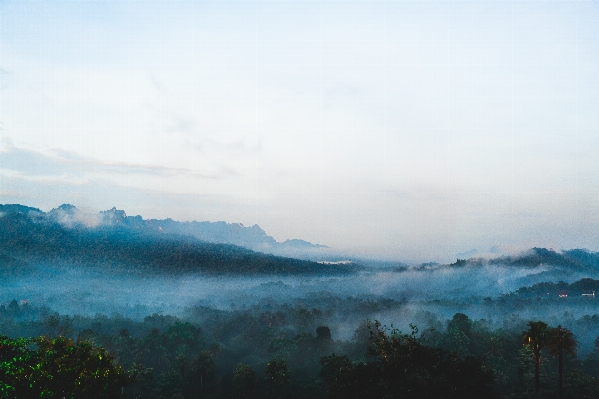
(572, 259)
(113, 239)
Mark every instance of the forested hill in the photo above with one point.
(250, 237)
(572, 259)
(28, 234)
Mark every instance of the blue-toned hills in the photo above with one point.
(113, 239)
(572, 259)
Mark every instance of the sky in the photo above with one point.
(403, 130)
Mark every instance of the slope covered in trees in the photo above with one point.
(27, 234)
(279, 353)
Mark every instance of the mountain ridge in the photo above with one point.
(64, 234)
(114, 223)
(578, 258)
(251, 237)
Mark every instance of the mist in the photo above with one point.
(441, 290)
(77, 290)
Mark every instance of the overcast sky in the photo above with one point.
(399, 129)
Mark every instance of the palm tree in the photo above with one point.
(203, 366)
(561, 340)
(536, 339)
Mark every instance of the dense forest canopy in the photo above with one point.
(286, 351)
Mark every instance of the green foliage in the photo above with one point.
(203, 365)
(58, 367)
(168, 385)
(403, 366)
(525, 371)
(462, 323)
(244, 382)
(203, 368)
(560, 340)
(278, 379)
(455, 340)
(535, 338)
(183, 338)
(579, 385)
(171, 357)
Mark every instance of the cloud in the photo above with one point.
(153, 202)
(30, 163)
(72, 217)
(237, 146)
(64, 163)
(71, 155)
(181, 124)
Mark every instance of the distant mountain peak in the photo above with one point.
(250, 237)
(467, 254)
(255, 228)
(113, 215)
(301, 244)
(67, 235)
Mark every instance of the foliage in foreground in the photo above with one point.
(268, 352)
(43, 367)
(402, 366)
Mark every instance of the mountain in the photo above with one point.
(572, 259)
(576, 259)
(111, 238)
(251, 237)
(16, 208)
(586, 287)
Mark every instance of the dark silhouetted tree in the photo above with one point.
(323, 333)
(203, 367)
(580, 385)
(277, 377)
(402, 366)
(561, 340)
(244, 382)
(168, 384)
(535, 338)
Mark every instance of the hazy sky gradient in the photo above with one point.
(405, 130)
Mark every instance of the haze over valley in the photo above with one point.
(299, 199)
(78, 263)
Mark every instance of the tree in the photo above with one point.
(277, 376)
(182, 338)
(13, 306)
(168, 384)
(40, 367)
(458, 336)
(402, 366)
(536, 340)
(455, 340)
(560, 340)
(52, 322)
(462, 323)
(580, 385)
(323, 333)
(244, 382)
(203, 367)
(139, 374)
